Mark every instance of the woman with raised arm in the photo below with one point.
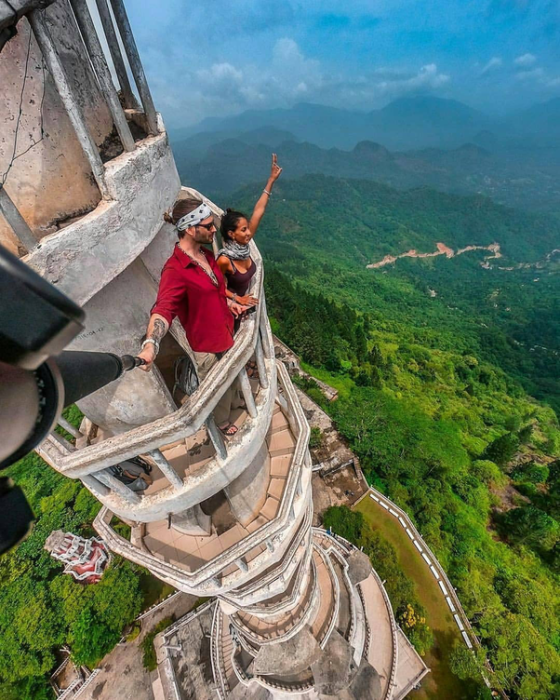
(234, 259)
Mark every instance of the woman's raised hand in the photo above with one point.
(275, 170)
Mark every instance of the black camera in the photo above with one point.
(37, 378)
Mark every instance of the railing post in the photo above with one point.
(216, 437)
(74, 432)
(166, 469)
(247, 393)
(106, 478)
(91, 40)
(44, 39)
(261, 366)
(115, 50)
(62, 441)
(95, 485)
(268, 348)
(17, 222)
(135, 64)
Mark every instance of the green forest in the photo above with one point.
(40, 608)
(438, 395)
(449, 400)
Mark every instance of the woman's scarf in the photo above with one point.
(234, 250)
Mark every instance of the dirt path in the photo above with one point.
(442, 249)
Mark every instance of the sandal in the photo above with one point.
(252, 371)
(229, 430)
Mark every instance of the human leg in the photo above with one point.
(204, 362)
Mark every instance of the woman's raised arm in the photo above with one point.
(260, 206)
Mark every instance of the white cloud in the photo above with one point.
(229, 86)
(494, 63)
(535, 74)
(526, 60)
(428, 77)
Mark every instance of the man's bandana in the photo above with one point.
(194, 217)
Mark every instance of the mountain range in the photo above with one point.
(406, 123)
(220, 162)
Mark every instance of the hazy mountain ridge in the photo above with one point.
(406, 123)
(527, 178)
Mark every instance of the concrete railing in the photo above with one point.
(215, 642)
(206, 580)
(287, 602)
(438, 572)
(447, 589)
(394, 632)
(91, 462)
(274, 582)
(313, 597)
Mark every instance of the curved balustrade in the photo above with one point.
(274, 582)
(187, 419)
(276, 635)
(205, 580)
(91, 462)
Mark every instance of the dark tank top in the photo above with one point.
(239, 282)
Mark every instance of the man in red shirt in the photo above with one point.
(192, 287)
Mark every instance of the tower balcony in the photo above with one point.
(260, 536)
(186, 471)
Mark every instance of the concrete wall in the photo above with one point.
(85, 256)
(116, 320)
(52, 180)
(247, 493)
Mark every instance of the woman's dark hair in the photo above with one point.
(180, 208)
(229, 223)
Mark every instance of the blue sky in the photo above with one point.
(220, 57)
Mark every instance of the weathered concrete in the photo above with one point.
(359, 566)
(86, 256)
(121, 673)
(335, 668)
(247, 493)
(291, 657)
(192, 522)
(51, 178)
(116, 319)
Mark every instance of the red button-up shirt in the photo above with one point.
(186, 291)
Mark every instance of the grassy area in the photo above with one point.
(343, 384)
(441, 682)
(149, 653)
(153, 589)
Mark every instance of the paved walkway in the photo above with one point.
(122, 674)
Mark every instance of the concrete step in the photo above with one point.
(281, 443)
(279, 422)
(280, 466)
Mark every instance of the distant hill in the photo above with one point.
(523, 177)
(404, 124)
(197, 145)
(541, 122)
(325, 231)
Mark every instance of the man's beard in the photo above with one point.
(203, 237)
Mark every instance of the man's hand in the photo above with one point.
(148, 354)
(248, 300)
(236, 309)
(275, 170)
